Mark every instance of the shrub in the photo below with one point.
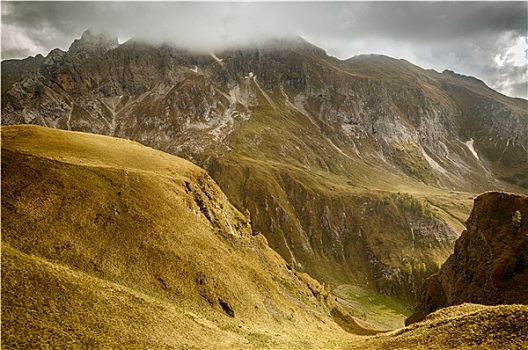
(516, 222)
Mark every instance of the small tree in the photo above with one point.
(516, 222)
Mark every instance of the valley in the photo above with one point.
(108, 243)
(360, 173)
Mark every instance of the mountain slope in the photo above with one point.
(347, 167)
(108, 243)
(466, 326)
(489, 265)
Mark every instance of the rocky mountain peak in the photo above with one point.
(54, 57)
(463, 77)
(92, 40)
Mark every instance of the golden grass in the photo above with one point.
(109, 244)
(124, 163)
(465, 326)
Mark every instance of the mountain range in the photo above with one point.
(360, 172)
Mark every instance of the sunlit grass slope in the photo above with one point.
(110, 244)
(466, 326)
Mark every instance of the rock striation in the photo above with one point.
(490, 263)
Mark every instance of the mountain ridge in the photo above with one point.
(343, 165)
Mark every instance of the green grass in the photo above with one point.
(410, 159)
(381, 311)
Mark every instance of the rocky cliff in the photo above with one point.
(490, 262)
(347, 167)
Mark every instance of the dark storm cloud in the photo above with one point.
(473, 38)
(446, 20)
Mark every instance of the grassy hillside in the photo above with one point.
(358, 172)
(109, 244)
(106, 243)
(466, 326)
(342, 216)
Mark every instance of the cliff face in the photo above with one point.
(490, 262)
(347, 167)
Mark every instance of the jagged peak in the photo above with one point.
(55, 53)
(94, 40)
(54, 56)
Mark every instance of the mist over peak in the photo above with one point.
(482, 39)
(94, 40)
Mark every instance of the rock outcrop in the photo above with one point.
(490, 262)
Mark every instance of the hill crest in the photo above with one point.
(91, 224)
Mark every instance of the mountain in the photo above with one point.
(490, 262)
(107, 243)
(360, 172)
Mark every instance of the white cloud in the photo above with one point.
(16, 40)
(518, 53)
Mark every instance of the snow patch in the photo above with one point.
(195, 69)
(469, 145)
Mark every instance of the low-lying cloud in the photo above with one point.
(484, 39)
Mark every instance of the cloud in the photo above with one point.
(463, 36)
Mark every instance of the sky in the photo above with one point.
(487, 40)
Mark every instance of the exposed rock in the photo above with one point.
(92, 42)
(490, 262)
